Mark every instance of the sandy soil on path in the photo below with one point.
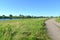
(53, 29)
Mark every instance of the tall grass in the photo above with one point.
(24, 29)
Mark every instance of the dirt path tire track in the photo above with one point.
(53, 29)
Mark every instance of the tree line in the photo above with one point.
(22, 16)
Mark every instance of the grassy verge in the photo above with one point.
(24, 29)
(58, 19)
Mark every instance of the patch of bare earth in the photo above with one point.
(53, 29)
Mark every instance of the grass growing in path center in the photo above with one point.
(23, 29)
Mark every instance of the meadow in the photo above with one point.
(23, 29)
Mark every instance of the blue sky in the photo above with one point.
(30, 7)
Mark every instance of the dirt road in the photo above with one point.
(53, 29)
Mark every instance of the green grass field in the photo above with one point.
(58, 19)
(23, 29)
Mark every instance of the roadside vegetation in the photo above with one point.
(58, 19)
(23, 29)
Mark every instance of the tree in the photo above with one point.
(52, 17)
(21, 16)
(10, 16)
(29, 16)
(3, 16)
